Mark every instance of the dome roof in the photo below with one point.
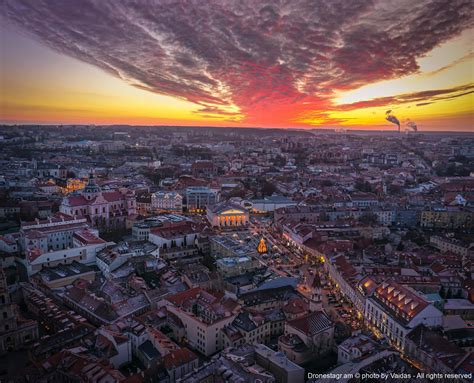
(91, 187)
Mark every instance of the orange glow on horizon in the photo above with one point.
(56, 89)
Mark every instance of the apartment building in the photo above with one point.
(199, 197)
(394, 310)
(452, 245)
(60, 239)
(203, 315)
(170, 201)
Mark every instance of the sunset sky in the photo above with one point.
(314, 63)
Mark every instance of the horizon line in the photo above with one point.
(335, 129)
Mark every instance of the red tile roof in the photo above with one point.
(86, 237)
(77, 200)
(312, 323)
(57, 217)
(179, 298)
(177, 358)
(114, 196)
(296, 306)
(402, 302)
(175, 231)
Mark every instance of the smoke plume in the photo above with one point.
(391, 117)
(411, 125)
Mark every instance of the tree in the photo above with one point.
(449, 294)
(442, 292)
(268, 188)
(415, 237)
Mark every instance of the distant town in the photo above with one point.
(206, 255)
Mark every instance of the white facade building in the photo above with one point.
(394, 310)
(171, 201)
(58, 239)
(174, 235)
(203, 316)
(269, 204)
(226, 214)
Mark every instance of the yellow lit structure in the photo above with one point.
(262, 247)
(73, 184)
(226, 214)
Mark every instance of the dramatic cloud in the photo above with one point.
(258, 61)
(428, 97)
(421, 98)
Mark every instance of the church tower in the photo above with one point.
(91, 190)
(315, 300)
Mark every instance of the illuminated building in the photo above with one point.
(394, 310)
(72, 185)
(262, 247)
(102, 209)
(48, 187)
(227, 215)
(199, 197)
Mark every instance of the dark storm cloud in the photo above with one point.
(253, 54)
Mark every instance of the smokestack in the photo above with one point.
(394, 120)
(411, 125)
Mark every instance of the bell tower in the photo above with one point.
(316, 301)
(91, 190)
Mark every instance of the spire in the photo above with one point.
(92, 189)
(316, 282)
(315, 302)
(91, 181)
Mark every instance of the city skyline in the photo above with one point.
(278, 64)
